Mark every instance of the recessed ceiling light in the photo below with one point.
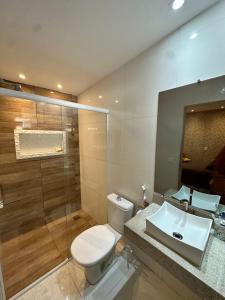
(193, 36)
(177, 4)
(222, 107)
(59, 86)
(100, 97)
(51, 92)
(117, 101)
(22, 76)
(192, 110)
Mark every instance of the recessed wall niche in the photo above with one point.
(39, 143)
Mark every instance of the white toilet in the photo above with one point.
(94, 248)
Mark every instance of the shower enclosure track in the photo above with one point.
(44, 99)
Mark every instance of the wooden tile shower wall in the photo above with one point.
(36, 191)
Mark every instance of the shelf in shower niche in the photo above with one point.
(39, 143)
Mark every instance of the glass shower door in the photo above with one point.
(33, 224)
(71, 170)
(50, 192)
(90, 156)
(22, 218)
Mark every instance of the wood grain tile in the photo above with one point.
(30, 255)
(37, 193)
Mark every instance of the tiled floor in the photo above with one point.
(69, 283)
(59, 285)
(38, 251)
(29, 256)
(66, 283)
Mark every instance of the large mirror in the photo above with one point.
(190, 147)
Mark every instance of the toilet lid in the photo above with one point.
(92, 245)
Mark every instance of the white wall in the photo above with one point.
(173, 62)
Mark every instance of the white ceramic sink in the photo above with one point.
(184, 233)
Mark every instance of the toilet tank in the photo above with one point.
(119, 212)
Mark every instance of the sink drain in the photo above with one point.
(177, 235)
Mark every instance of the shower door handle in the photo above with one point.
(1, 197)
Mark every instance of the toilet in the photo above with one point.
(94, 249)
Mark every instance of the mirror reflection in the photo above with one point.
(203, 153)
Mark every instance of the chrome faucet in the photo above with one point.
(186, 204)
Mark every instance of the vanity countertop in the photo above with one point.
(208, 281)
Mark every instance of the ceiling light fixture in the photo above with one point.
(22, 76)
(59, 86)
(176, 4)
(193, 36)
(100, 97)
(51, 92)
(192, 110)
(117, 101)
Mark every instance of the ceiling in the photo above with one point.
(78, 42)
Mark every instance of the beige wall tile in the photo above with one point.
(94, 204)
(93, 173)
(93, 164)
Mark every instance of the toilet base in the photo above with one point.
(94, 273)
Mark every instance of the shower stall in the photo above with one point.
(49, 153)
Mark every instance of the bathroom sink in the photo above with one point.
(182, 232)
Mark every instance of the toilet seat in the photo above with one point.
(92, 245)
